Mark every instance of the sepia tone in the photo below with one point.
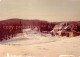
(39, 28)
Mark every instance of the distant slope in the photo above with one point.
(10, 27)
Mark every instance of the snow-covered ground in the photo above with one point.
(33, 43)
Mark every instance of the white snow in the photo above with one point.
(40, 44)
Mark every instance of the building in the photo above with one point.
(64, 29)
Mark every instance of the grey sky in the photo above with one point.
(50, 10)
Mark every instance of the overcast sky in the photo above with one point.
(50, 10)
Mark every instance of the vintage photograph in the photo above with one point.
(39, 28)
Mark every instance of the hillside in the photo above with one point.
(40, 45)
(10, 27)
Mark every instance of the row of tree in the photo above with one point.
(9, 28)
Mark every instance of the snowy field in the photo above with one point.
(37, 44)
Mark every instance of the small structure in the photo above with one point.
(30, 30)
(64, 29)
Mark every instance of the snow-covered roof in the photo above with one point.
(26, 30)
(66, 27)
(60, 27)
